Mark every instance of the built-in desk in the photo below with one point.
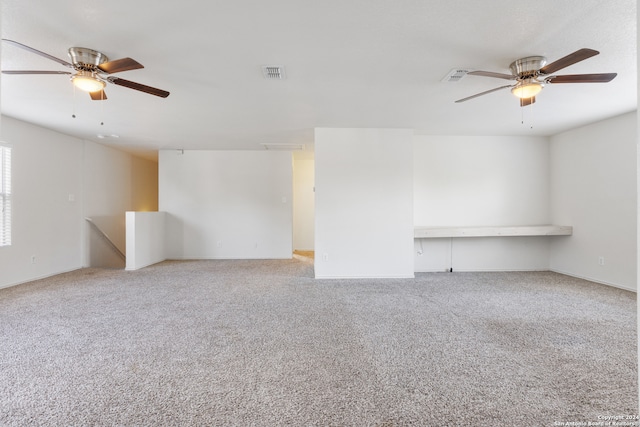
(525, 230)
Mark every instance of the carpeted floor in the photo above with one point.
(262, 343)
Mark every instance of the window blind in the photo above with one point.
(5, 194)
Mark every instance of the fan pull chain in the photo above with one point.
(73, 105)
(102, 107)
(531, 127)
(530, 115)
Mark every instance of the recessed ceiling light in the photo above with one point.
(103, 136)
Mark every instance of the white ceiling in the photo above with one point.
(349, 63)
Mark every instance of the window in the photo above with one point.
(5, 194)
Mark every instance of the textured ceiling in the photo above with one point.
(349, 63)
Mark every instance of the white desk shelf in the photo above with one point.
(526, 230)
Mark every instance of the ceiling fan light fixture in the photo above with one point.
(527, 89)
(87, 81)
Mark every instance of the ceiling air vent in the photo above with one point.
(455, 75)
(273, 72)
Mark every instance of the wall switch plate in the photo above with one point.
(601, 260)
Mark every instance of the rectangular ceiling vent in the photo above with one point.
(273, 72)
(455, 75)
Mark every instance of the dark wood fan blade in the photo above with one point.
(527, 101)
(582, 78)
(482, 93)
(33, 72)
(492, 74)
(98, 95)
(37, 52)
(118, 65)
(572, 58)
(137, 86)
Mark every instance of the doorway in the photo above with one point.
(303, 203)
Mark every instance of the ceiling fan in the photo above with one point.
(533, 72)
(91, 71)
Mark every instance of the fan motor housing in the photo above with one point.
(85, 59)
(527, 67)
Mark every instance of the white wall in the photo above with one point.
(227, 204)
(364, 203)
(593, 188)
(303, 200)
(48, 168)
(481, 181)
(145, 239)
(482, 254)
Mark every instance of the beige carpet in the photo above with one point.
(262, 343)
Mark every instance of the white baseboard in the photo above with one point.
(488, 270)
(412, 276)
(45, 276)
(602, 282)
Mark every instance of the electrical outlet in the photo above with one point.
(325, 257)
(601, 260)
(33, 259)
